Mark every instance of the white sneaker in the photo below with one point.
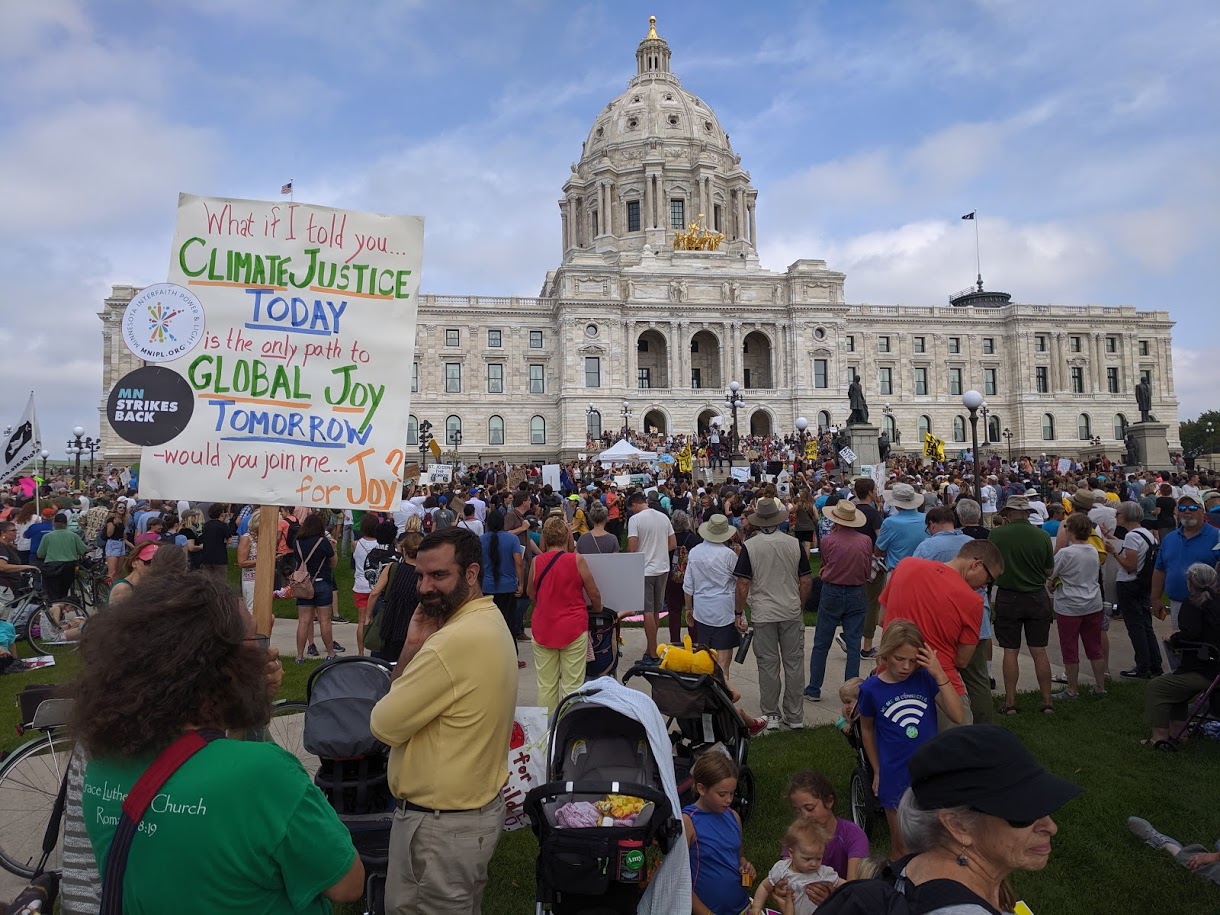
(1144, 830)
(772, 723)
(795, 725)
(841, 642)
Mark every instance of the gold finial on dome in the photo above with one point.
(652, 27)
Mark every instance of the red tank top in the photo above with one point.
(560, 614)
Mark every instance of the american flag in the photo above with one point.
(286, 188)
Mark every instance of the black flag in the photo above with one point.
(970, 215)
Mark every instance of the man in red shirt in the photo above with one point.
(942, 599)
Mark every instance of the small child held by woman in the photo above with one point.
(720, 874)
(898, 714)
(806, 843)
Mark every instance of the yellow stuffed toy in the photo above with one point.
(684, 659)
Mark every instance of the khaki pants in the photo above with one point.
(560, 671)
(979, 700)
(776, 644)
(872, 595)
(944, 724)
(438, 861)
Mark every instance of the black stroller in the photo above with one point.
(352, 770)
(604, 637)
(700, 714)
(590, 868)
(864, 804)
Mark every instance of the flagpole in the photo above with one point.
(978, 263)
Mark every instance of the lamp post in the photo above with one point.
(888, 412)
(75, 447)
(590, 412)
(972, 400)
(802, 429)
(425, 436)
(1211, 450)
(455, 439)
(626, 411)
(1007, 433)
(735, 400)
(92, 446)
(44, 454)
(985, 413)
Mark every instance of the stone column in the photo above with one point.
(753, 228)
(1057, 366)
(567, 226)
(662, 204)
(675, 356)
(647, 200)
(632, 358)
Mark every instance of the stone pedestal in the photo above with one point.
(862, 439)
(1153, 444)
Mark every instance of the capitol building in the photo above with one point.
(659, 302)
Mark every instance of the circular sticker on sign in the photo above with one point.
(150, 406)
(164, 322)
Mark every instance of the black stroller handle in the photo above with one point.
(689, 682)
(664, 810)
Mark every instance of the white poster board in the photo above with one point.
(876, 472)
(290, 324)
(550, 474)
(440, 473)
(620, 578)
(741, 474)
(623, 480)
(1064, 465)
(847, 456)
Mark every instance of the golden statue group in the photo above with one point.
(697, 238)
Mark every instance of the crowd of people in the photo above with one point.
(448, 586)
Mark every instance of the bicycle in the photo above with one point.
(44, 623)
(91, 586)
(30, 780)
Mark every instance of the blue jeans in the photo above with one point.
(841, 605)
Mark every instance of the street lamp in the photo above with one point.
(626, 411)
(1007, 433)
(425, 436)
(802, 427)
(75, 448)
(92, 446)
(734, 400)
(1211, 450)
(455, 439)
(888, 412)
(590, 412)
(44, 454)
(985, 413)
(972, 400)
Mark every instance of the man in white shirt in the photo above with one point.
(411, 504)
(651, 533)
(1038, 512)
(988, 496)
(480, 507)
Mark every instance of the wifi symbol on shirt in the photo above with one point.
(907, 714)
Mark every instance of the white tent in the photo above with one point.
(623, 451)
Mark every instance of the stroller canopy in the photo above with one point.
(341, 699)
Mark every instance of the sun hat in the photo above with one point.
(845, 513)
(147, 550)
(1187, 497)
(1083, 498)
(717, 529)
(1209, 494)
(1018, 503)
(48, 513)
(903, 495)
(769, 513)
(986, 768)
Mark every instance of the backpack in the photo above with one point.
(427, 524)
(1144, 575)
(290, 536)
(891, 894)
(300, 582)
(678, 572)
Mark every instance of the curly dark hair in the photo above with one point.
(174, 654)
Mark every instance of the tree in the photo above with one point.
(1195, 438)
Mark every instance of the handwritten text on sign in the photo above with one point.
(310, 316)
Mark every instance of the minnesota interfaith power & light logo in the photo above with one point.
(163, 323)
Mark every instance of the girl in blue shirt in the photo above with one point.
(720, 875)
(897, 709)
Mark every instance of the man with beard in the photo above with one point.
(1193, 541)
(447, 720)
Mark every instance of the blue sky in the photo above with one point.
(1086, 134)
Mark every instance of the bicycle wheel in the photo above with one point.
(29, 783)
(287, 730)
(56, 627)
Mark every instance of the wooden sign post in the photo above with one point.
(264, 568)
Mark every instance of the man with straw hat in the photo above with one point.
(847, 563)
(773, 577)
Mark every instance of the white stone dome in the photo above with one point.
(655, 108)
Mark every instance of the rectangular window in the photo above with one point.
(988, 346)
(1111, 344)
(677, 214)
(633, 216)
(453, 337)
(1042, 379)
(919, 345)
(955, 381)
(989, 381)
(851, 343)
(535, 339)
(414, 377)
(921, 381)
(1040, 343)
(885, 381)
(641, 346)
(1144, 350)
(746, 378)
(453, 378)
(495, 378)
(596, 225)
(494, 339)
(593, 372)
(1146, 375)
(883, 344)
(955, 344)
(643, 378)
(820, 373)
(1112, 380)
(1077, 380)
(716, 216)
(696, 378)
(537, 379)
(1074, 343)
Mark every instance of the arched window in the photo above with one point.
(495, 430)
(1120, 426)
(889, 426)
(959, 428)
(412, 430)
(924, 426)
(537, 431)
(595, 424)
(823, 420)
(452, 424)
(1084, 429)
(993, 428)
(1048, 427)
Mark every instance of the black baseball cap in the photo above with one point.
(987, 768)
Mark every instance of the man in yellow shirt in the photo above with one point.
(448, 719)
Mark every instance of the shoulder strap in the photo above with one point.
(142, 794)
(542, 574)
(305, 559)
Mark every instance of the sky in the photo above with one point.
(1085, 134)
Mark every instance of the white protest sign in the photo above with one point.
(620, 579)
(876, 472)
(1064, 465)
(440, 473)
(550, 474)
(527, 747)
(622, 480)
(308, 315)
(741, 474)
(847, 455)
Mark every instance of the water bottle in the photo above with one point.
(743, 651)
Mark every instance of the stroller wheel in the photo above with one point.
(862, 801)
(743, 801)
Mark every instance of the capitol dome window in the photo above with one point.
(707, 125)
(673, 120)
(632, 123)
(590, 330)
(819, 333)
(600, 131)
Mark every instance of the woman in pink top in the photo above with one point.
(558, 584)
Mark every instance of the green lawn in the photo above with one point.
(1097, 865)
